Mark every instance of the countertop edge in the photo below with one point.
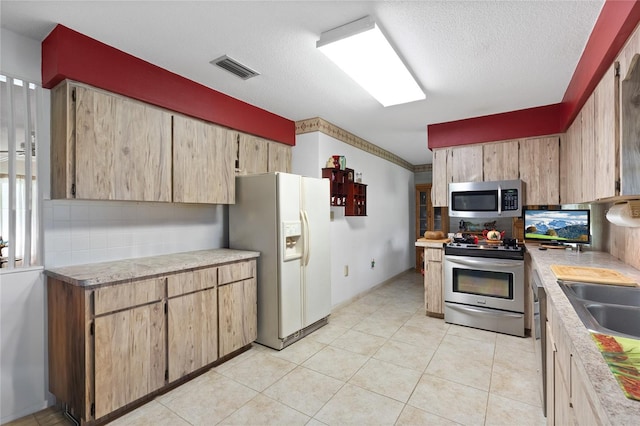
(112, 272)
(618, 408)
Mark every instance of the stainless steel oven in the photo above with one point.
(484, 287)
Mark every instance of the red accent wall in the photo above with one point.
(615, 24)
(538, 121)
(67, 54)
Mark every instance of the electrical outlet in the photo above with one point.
(346, 270)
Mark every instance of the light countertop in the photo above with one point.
(423, 242)
(94, 274)
(619, 409)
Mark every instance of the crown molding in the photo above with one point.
(423, 168)
(318, 124)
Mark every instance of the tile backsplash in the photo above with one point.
(78, 232)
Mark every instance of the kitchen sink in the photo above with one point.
(616, 295)
(606, 309)
(620, 319)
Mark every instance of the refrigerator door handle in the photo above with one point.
(306, 254)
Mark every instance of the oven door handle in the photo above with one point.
(482, 262)
(488, 312)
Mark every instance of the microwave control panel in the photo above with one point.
(509, 199)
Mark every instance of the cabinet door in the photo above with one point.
(466, 164)
(539, 169)
(279, 157)
(253, 154)
(122, 149)
(192, 332)
(550, 375)
(501, 161)
(584, 409)
(570, 163)
(588, 152)
(203, 162)
(441, 178)
(130, 356)
(606, 134)
(237, 309)
(629, 142)
(433, 280)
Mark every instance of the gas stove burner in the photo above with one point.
(483, 249)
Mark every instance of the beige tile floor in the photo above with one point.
(379, 361)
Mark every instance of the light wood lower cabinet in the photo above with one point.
(434, 305)
(129, 356)
(237, 306)
(192, 321)
(118, 344)
(568, 387)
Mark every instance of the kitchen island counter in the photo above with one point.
(96, 274)
(619, 409)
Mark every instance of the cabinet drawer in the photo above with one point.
(188, 282)
(433, 254)
(237, 272)
(128, 295)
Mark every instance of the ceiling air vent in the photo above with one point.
(234, 67)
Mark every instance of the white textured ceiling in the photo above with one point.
(473, 58)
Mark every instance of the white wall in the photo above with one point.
(77, 232)
(23, 365)
(23, 347)
(383, 235)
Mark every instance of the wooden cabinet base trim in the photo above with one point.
(435, 315)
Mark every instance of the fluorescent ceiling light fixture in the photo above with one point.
(360, 49)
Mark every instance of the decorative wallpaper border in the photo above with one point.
(318, 124)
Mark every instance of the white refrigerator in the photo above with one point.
(286, 218)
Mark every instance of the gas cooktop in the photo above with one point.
(484, 249)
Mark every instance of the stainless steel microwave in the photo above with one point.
(493, 199)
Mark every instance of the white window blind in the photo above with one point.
(19, 234)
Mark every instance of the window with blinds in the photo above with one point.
(19, 244)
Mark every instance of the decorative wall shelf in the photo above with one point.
(345, 192)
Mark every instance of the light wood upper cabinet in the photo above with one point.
(606, 135)
(571, 164)
(499, 160)
(630, 121)
(466, 164)
(539, 161)
(588, 151)
(455, 164)
(258, 155)
(279, 157)
(535, 161)
(107, 147)
(203, 170)
(253, 154)
(441, 176)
